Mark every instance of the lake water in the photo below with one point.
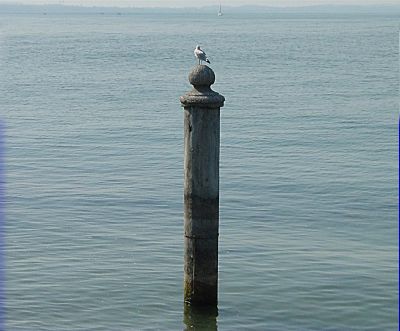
(94, 170)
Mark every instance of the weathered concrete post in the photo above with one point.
(201, 187)
(200, 318)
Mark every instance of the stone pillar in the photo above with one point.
(201, 187)
(200, 318)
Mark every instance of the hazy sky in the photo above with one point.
(198, 3)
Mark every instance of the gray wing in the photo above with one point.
(202, 56)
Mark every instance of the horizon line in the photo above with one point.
(9, 3)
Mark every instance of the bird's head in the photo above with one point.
(197, 47)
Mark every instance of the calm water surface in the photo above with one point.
(94, 170)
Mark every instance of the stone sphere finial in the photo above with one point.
(201, 75)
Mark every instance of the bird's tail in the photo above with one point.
(208, 61)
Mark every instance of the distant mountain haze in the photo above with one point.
(192, 3)
(204, 7)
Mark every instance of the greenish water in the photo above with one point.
(94, 170)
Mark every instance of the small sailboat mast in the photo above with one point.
(219, 11)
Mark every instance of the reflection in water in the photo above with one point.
(200, 318)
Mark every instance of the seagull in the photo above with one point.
(199, 53)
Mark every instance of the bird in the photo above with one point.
(199, 53)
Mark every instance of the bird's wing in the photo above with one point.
(200, 55)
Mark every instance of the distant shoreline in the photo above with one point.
(392, 10)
